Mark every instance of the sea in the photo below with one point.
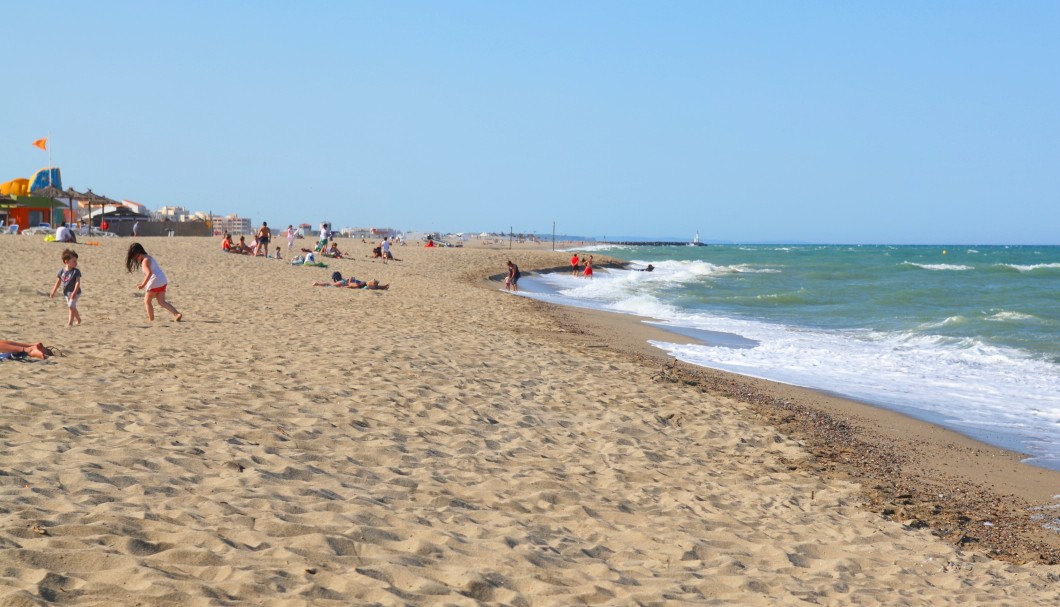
(966, 337)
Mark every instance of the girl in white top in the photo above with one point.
(154, 280)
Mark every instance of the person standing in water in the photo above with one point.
(512, 281)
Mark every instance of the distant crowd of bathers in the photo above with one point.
(260, 246)
(324, 247)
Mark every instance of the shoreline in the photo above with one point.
(438, 443)
(911, 470)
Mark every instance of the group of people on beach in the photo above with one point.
(383, 251)
(154, 282)
(260, 246)
(154, 285)
(583, 266)
(586, 266)
(325, 247)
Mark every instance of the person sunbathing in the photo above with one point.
(338, 281)
(19, 349)
(373, 285)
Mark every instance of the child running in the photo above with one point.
(154, 280)
(70, 278)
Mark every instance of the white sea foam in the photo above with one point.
(957, 381)
(632, 291)
(938, 266)
(950, 320)
(1005, 315)
(1030, 268)
(596, 248)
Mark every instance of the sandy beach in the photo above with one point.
(446, 443)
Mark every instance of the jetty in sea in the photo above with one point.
(653, 243)
(662, 243)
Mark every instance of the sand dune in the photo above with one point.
(429, 445)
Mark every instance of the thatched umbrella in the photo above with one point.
(53, 193)
(72, 195)
(101, 200)
(48, 192)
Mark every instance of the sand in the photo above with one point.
(440, 443)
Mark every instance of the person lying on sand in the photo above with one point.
(374, 285)
(338, 281)
(19, 349)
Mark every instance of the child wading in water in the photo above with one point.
(70, 278)
(154, 280)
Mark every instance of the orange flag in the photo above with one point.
(42, 143)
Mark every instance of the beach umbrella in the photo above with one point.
(89, 198)
(103, 201)
(53, 193)
(48, 192)
(92, 198)
(73, 195)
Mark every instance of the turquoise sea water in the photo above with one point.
(967, 337)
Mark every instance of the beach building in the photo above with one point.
(115, 215)
(233, 224)
(172, 213)
(24, 207)
(29, 211)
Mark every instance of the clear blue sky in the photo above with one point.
(889, 122)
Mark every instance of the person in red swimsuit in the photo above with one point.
(589, 267)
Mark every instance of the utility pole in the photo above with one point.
(511, 234)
